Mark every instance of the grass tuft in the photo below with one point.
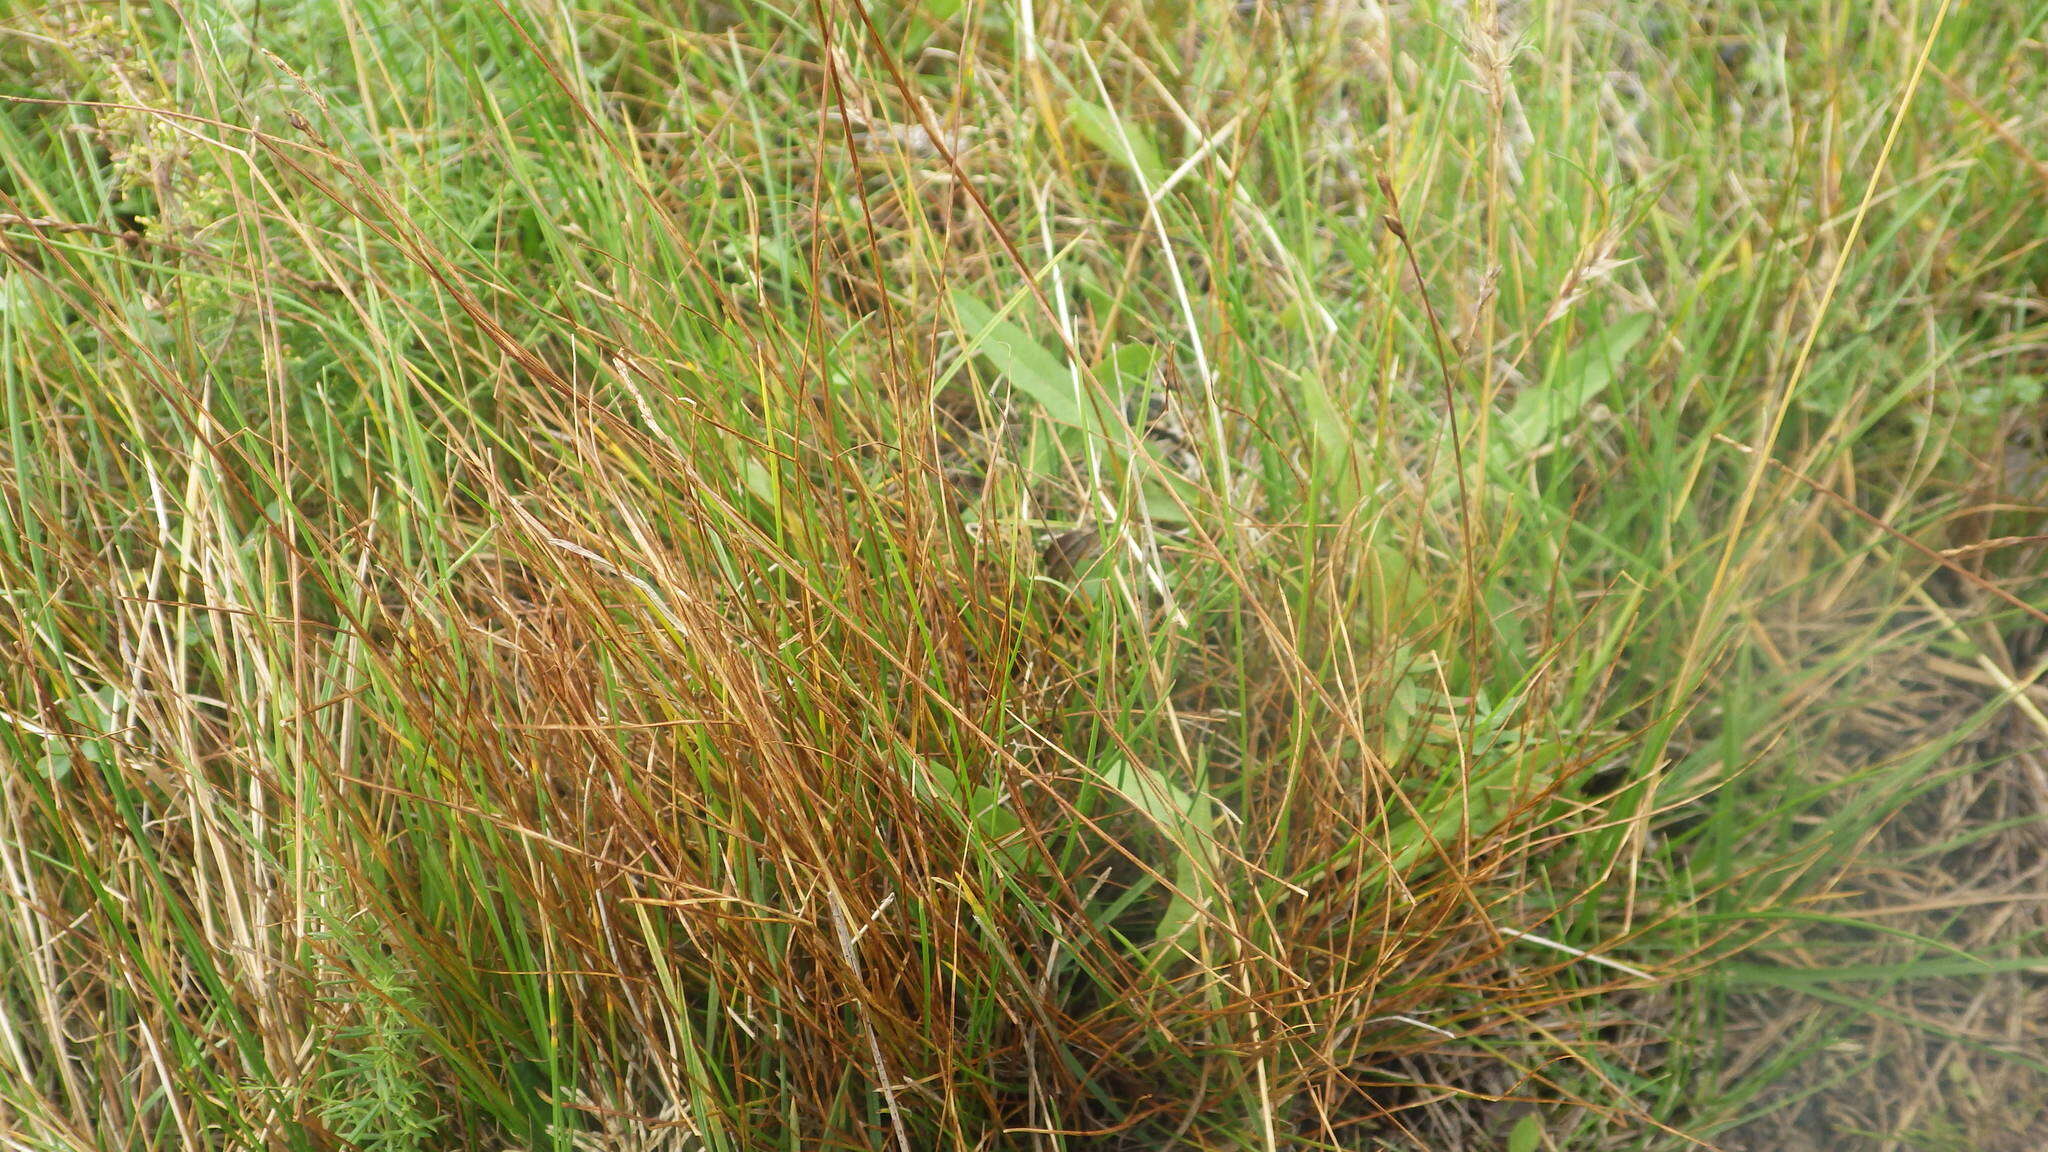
(1195, 574)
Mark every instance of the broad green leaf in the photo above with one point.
(759, 481)
(1169, 806)
(1024, 362)
(1159, 502)
(54, 766)
(1123, 141)
(1189, 822)
(1167, 493)
(1127, 370)
(979, 806)
(1581, 376)
(1527, 1135)
(1334, 435)
(1048, 450)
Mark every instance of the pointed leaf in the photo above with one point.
(1580, 378)
(1123, 141)
(1024, 362)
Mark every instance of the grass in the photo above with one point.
(955, 575)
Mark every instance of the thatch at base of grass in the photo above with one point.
(1186, 575)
